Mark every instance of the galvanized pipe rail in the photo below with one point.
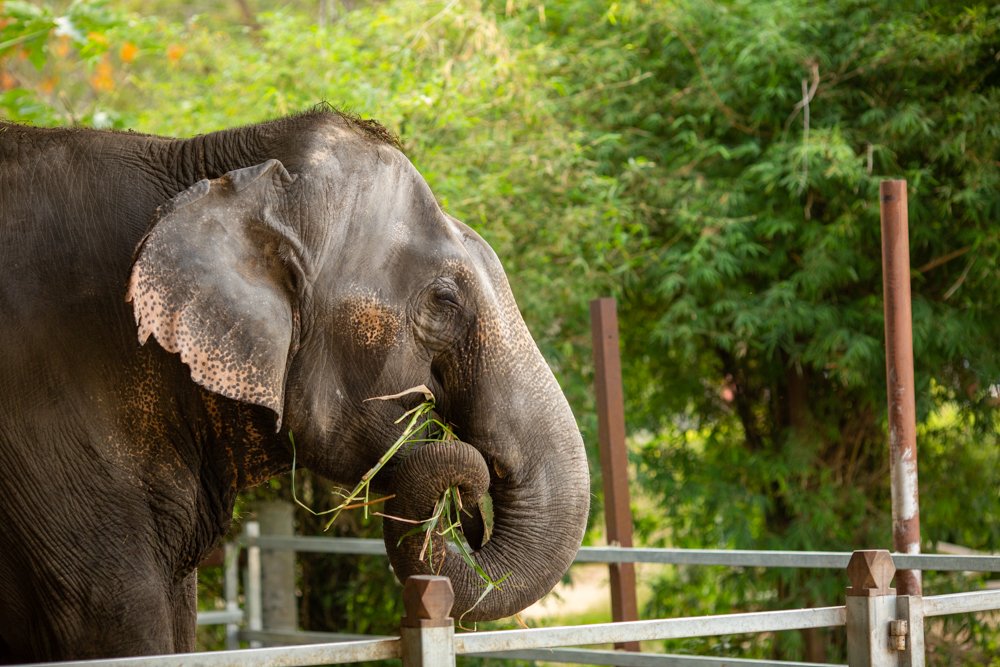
(221, 617)
(281, 656)
(727, 557)
(724, 557)
(669, 628)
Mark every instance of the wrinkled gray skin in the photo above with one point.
(312, 270)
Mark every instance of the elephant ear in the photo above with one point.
(216, 280)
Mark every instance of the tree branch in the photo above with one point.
(961, 279)
(944, 259)
(248, 18)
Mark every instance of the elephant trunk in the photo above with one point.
(539, 517)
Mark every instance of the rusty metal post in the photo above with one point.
(428, 632)
(899, 375)
(614, 457)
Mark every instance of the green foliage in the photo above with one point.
(54, 45)
(754, 322)
(29, 28)
(659, 151)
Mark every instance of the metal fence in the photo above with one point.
(542, 644)
(883, 629)
(254, 542)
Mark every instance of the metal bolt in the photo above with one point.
(870, 573)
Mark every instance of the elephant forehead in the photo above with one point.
(370, 322)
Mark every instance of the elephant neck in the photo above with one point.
(241, 447)
(184, 162)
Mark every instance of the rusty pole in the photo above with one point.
(899, 375)
(614, 457)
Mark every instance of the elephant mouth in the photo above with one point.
(384, 482)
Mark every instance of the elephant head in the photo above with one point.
(310, 289)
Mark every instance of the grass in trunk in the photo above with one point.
(446, 516)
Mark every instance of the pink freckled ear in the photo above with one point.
(210, 283)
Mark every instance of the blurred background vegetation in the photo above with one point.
(712, 164)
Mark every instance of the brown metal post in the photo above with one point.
(614, 457)
(899, 374)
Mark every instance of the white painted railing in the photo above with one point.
(876, 636)
(870, 619)
(538, 644)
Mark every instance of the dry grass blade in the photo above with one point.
(398, 518)
(419, 389)
(370, 502)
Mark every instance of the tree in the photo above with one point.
(763, 130)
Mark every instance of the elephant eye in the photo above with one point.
(443, 316)
(446, 297)
(445, 293)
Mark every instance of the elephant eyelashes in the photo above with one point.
(446, 298)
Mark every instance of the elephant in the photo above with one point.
(173, 310)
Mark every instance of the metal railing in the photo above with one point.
(731, 557)
(540, 643)
(253, 540)
(883, 629)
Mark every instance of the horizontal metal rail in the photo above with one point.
(579, 656)
(944, 563)
(670, 628)
(798, 559)
(583, 656)
(318, 545)
(219, 617)
(728, 557)
(961, 603)
(297, 637)
(279, 656)
(731, 557)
